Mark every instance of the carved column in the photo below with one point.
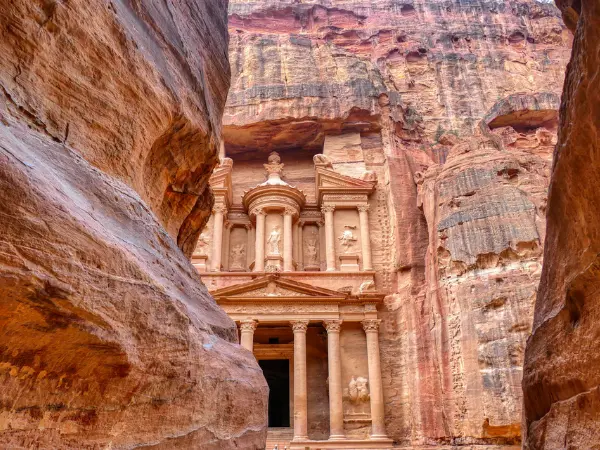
(336, 409)
(300, 254)
(329, 236)
(247, 328)
(365, 237)
(226, 250)
(371, 327)
(219, 212)
(249, 245)
(300, 390)
(288, 264)
(259, 242)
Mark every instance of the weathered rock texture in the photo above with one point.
(110, 116)
(461, 99)
(561, 379)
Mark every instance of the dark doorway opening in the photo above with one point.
(277, 374)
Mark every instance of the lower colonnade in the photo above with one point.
(337, 437)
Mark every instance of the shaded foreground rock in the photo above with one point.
(109, 125)
(561, 379)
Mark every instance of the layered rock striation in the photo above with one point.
(110, 121)
(455, 106)
(561, 382)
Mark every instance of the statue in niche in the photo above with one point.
(273, 241)
(358, 390)
(237, 257)
(311, 252)
(202, 245)
(347, 238)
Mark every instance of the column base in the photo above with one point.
(337, 437)
(300, 438)
(378, 437)
(348, 263)
(346, 444)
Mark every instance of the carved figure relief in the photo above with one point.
(238, 254)
(311, 252)
(358, 390)
(366, 286)
(347, 238)
(202, 245)
(274, 240)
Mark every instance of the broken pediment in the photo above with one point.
(330, 182)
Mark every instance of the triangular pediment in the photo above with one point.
(274, 286)
(327, 177)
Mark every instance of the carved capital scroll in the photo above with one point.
(333, 325)
(299, 326)
(327, 208)
(363, 208)
(248, 325)
(371, 325)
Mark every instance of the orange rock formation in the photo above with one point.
(110, 118)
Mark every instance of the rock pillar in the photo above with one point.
(336, 409)
(300, 391)
(247, 328)
(219, 212)
(329, 236)
(259, 242)
(371, 327)
(365, 237)
(288, 259)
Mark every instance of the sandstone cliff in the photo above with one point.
(456, 108)
(561, 380)
(110, 117)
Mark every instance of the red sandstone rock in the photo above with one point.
(110, 115)
(416, 79)
(561, 379)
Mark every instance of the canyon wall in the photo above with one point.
(110, 121)
(561, 380)
(455, 105)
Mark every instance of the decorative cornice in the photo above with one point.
(248, 325)
(332, 326)
(299, 326)
(371, 325)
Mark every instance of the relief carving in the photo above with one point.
(238, 255)
(347, 238)
(202, 245)
(358, 390)
(274, 240)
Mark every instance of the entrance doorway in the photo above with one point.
(277, 374)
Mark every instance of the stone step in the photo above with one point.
(279, 438)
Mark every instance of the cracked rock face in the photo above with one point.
(456, 107)
(110, 117)
(561, 378)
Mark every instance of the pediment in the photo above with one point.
(273, 286)
(327, 177)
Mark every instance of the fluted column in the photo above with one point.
(365, 237)
(219, 212)
(371, 327)
(247, 328)
(259, 242)
(336, 409)
(288, 259)
(329, 236)
(300, 390)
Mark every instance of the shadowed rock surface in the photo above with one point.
(561, 379)
(110, 119)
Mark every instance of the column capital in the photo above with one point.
(289, 211)
(299, 326)
(371, 325)
(333, 325)
(248, 324)
(219, 209)
(258, 212)
(363, 208)
(327, 208)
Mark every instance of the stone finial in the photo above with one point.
(274, 158)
